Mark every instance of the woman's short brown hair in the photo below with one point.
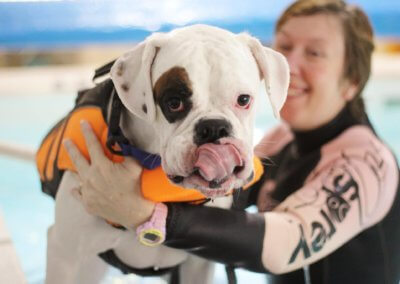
(358, 37)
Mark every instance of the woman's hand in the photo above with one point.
(109, 190)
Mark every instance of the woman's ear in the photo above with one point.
(350, 91)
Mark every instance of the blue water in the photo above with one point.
(28, 212)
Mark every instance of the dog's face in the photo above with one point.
(199, 86)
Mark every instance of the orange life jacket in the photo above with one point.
(52, 159)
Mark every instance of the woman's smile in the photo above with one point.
(297, 90)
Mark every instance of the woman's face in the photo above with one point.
(315, 49)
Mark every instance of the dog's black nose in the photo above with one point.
(210, 130)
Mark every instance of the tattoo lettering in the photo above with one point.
(302, 246)
(341, 191)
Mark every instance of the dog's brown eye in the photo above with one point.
(244, 101)
(175, 104)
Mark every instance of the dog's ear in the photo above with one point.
(274, 69)
(131, 75)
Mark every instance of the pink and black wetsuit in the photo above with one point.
(338, 212)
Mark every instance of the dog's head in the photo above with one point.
(198, 86)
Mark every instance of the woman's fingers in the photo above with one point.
(93, 145)
(80, 163)
(76, 189)
(106, 189)
(133, 167)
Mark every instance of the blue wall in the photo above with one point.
(71, 23)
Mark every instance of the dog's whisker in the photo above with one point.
(268, 163)
(154, 161)
(148, 156)
(267, 143)
(238, 191)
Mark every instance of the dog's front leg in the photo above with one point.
(75, 240)
(68, 266)
(196, 270)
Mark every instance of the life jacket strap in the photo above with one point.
(116, 136)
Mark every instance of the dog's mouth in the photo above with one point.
(217, 167)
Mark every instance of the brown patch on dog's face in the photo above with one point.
(176, 77)
(173, 91)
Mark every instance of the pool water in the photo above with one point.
(28, 212)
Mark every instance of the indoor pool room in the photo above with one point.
(48, 52)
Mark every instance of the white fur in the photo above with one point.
(221, 66)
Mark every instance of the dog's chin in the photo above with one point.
(215, 188)
(215, 169)
(210, 189)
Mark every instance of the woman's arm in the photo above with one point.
(349, 191)
(229, 236)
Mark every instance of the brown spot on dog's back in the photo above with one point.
(144, 108)
(120, 69)
(175, 78)
(125, 87)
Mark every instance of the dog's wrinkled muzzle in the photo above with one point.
(217, 168)
(216, 162)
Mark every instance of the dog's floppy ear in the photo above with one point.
(273, 68)
(131, 75)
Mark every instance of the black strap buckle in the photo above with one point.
(103, 70)
(112, 140)
(115, 134)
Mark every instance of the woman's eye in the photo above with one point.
(283, 47)
(243, 101)
(314, 53)
(175, 104)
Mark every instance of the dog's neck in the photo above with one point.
(139, 132)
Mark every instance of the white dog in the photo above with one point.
(190, 97)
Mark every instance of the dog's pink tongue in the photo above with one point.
(215, 162)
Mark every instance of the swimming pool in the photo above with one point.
(28, 212)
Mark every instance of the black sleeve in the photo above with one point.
(231, 237)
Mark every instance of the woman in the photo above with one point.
(329, 200)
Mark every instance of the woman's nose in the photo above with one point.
(294, 61)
